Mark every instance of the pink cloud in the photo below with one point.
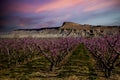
(19, 7)
(100, 5)
(21, 25)
(90, 5)
(58, 4)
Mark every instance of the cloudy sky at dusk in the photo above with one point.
(20, 14)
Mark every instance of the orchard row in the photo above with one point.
(105, 51)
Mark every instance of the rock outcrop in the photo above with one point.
(68, 29)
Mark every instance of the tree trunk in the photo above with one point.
(108, 73)
(52, 67)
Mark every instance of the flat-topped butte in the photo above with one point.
(68, 29)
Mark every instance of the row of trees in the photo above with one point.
(17, 51)
(105, 50)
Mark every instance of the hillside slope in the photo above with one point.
(68, 29)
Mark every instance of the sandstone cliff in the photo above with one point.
(68, 29)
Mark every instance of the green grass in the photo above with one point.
(26, 69)
(80, 64)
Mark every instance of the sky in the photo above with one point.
(29, 14)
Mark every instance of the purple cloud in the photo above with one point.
(49, 13)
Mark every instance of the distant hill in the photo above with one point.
(71, 25)
(36, 29)
(68, 29)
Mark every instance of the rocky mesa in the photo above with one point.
(68, 29)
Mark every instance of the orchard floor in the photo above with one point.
(80, 66)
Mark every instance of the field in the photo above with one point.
(60, 59)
